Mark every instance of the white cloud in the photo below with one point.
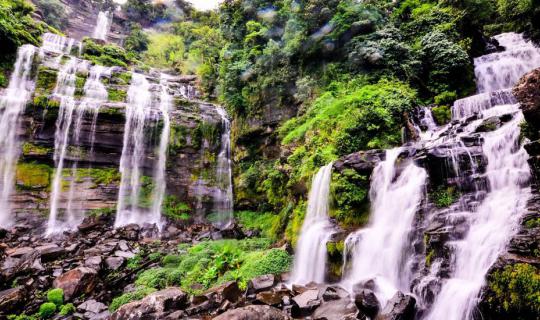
(205, 4)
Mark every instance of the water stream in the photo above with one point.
(103, 24)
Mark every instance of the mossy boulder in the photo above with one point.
(33, 176)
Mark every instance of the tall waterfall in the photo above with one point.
(223, 198)
(379, 251)
(12, 104)
(310, 257)
(65, 91)
(131, 162)
(102, 26)
(159, 174)
(496, 219)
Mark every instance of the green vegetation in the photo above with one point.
(30, 176)
(175, 209)
(67, 309)
(516, 290)
(33, 149)
(56, 296)
(117, 95)
(350, 198)
(264, 222)
(107, 55)
(46, 81)
(53, 12)
(47, 310)
(138, 294)
(211, 263)
(444, 196)
(99, 176)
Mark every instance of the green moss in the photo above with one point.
(67, 309)
(79, 85)
(99, 176)
(31, 176)
(101, 212)
(33, 149)
(124, 78)
(44, 102)
(205, 131)
(117, 95)
(429, 257)
(47, 310)
(516, 289)
(107, 55)
(350, 203)
(46, 80)
(125, 298)
(532, 223)
(442, 114)
(56, 296)
(443, 196)
(175, 209)
(177, 138)
(262, 222)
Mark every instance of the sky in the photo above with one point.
(205, 4)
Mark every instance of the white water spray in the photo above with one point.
(223, 197)
(103, 24)
(310, 257)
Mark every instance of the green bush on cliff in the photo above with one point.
(349, 191)
(262, 222)
(516, 289)
(107, 55)
(56, 296)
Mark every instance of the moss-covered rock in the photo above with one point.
(45, 81)
(350, 198)
(116, 94)
(31, 176)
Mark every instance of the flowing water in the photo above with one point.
(495, 220)
(310, 257)
(12, 104)
(223, 197)
(379, 251)
(103, 24)
(139, 102)
(65, 91)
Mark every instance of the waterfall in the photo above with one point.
(65, 91)
(102, 26)
(57, 43)
(139, 102)
(496, 219)
(159, 170)
(379, 251)
(223, 197)
(310, 257)
(12, 104)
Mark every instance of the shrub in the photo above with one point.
(47, 310)
(67, 309)
(56, 296)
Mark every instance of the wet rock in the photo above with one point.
(12, 267)
(274, 297)
(81, 280)
(114, 263)
(334, 293)
(90, 223)
(367, 302)
(400, 307)
(362, 162)
(11, 299)
(261, 283)
(153, 306)
(527, 92)
(94, 262)
(227, 291)
(254, 312)
(342, 309)
(305, 303)
(124, 254)
(129, 232)
(50, 252)
(19, 252)
(92, 306)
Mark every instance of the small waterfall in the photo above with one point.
(310, 257)
(65, 91)
(223, 197)
(379, 251)
(12, 104)
(102, 26)
(133, 150)
(495, 220)
(57, 43)
(160, 182)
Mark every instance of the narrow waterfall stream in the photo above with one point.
(102, 26)
(380, 251)
(65, 91)
(12, 104)
(223, 198)
(310, 258)
(495, 220)
(137, 111)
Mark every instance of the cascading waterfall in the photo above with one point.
(495, 221)
(159, 174)
(223, 197)
(102, 26)
(65, 91)
(12, 104)
(310, 257)
(137, 111)
(379, 251)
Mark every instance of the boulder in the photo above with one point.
(114, 263)
(93, 262)
(81, 280)
(92, 306)
(305, 303)
(400, 307)
(362, 162)
(12, 267)
(334, 293)
(274, 297)
(261, 283)
(367, 302)
(254, 312)
(227, 291)
(527, 92)
(19, 252)
(153, 306)
(342, 309)
(11, 299)
(50, 252)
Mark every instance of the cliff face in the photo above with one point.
(194, 143)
